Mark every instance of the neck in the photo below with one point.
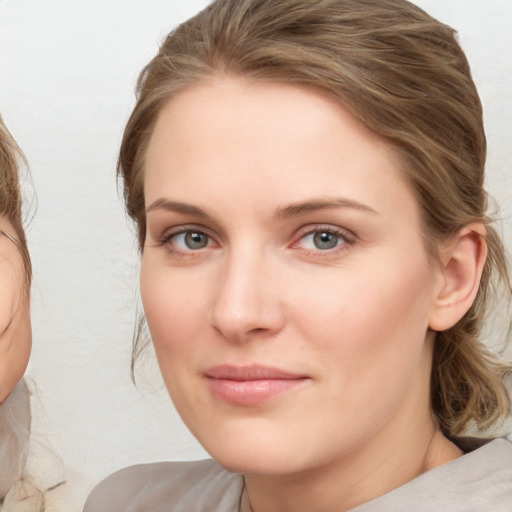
(407, 446)
(360, 477)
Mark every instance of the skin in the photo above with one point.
(259, 169)
(15, 329)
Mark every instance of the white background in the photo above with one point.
(67, 76)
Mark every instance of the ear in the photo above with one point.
(461, 264)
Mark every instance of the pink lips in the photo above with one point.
(250, 385)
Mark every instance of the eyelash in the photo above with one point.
(168, 236)
(347, 239)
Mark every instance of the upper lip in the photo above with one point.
(250, 372)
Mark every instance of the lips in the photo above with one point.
(250, 385)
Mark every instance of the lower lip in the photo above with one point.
(251, 392)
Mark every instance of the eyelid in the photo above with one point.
(346, 235)
(172, 232)
(349, 237)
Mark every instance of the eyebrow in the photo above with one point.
(280, 213)
(176, 206)
(302, 208)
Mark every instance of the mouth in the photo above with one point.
(250, 385)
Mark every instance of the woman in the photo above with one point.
(307, 181)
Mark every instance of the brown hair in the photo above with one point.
(10, 194)
(403, 74)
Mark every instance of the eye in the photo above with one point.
(193, 240)
(322, 239)
(186, 240)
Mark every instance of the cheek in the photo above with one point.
(9, 293)
(173, 305)
(369, 324)
(15, 328)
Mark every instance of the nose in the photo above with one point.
(248, 302)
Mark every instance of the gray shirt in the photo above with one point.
(480, 481)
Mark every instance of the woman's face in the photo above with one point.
(15, 332)
(284, 278)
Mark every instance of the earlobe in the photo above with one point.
(462, 264)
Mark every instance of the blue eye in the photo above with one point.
(325, 240)
(322, 240)
(189, 240)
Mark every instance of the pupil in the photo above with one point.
(325, 240)
(196, 240)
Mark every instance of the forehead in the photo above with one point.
(242, 103)
(270, 140)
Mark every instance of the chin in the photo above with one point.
(256, 462)
(255, 449)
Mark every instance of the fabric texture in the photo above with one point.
(30, 473)
(14, 436)
(169, 486)
(480, 481)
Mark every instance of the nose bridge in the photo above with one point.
(244, 303)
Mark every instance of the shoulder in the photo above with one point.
(197, 486)
(479, 481)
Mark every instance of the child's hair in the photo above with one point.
(401, 73)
